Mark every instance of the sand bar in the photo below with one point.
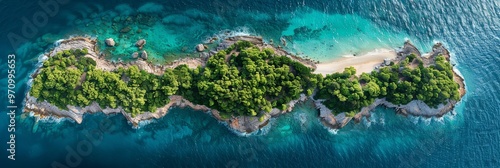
(363, 63)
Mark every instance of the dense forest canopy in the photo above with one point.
(399, 84)
(241, 80)
(245, 80)
(69, 78)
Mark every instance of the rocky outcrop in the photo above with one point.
(414, 108)
(200, 47)
(135, 55)
(408, 49)
(140, 43)
(252, 39)
(43, 108)
(241, 124)
(110, 42)
(144, 55)
(248, 124)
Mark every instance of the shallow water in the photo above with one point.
(318, 29)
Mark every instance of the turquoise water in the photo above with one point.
(318, 29)
(323, 36)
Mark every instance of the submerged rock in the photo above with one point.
(184, 49)
(110, 42)
(200, 47)
(144, 55)
(135, 55)
(125, 29)
(283, 41)
(140, 43)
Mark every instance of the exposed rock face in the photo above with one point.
(241, 124)
(409, 48)
(110, 42)
(135, 55)
(43, 108)
(200, 47)
(252, 39)
(140, 43)
(249, 124)
(144, 55)
(75, 43)
(415, 108)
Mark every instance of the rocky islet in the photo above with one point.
(241, 124)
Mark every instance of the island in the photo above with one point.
(242, 82)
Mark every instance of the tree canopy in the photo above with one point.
(399, 84)
(245, 80)
(241, 80)
(70, 78)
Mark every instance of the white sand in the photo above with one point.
(363, 63)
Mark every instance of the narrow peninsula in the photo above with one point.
(243, 82)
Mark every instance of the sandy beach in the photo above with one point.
(363, 63)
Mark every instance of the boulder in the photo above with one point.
(144, 55)
(110, 42)
(135, 55)
(387, 62)
(140, 43)
(200, 47)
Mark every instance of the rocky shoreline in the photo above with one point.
(242, 125)
(414, 108)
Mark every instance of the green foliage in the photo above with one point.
(242, 45)
(249, 83)
(242, 80)
(398, 83)
(56, 85)
(343, 92)
(68, 78)
(411, 57)
(433, 85)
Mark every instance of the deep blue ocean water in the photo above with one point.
(469, 137)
